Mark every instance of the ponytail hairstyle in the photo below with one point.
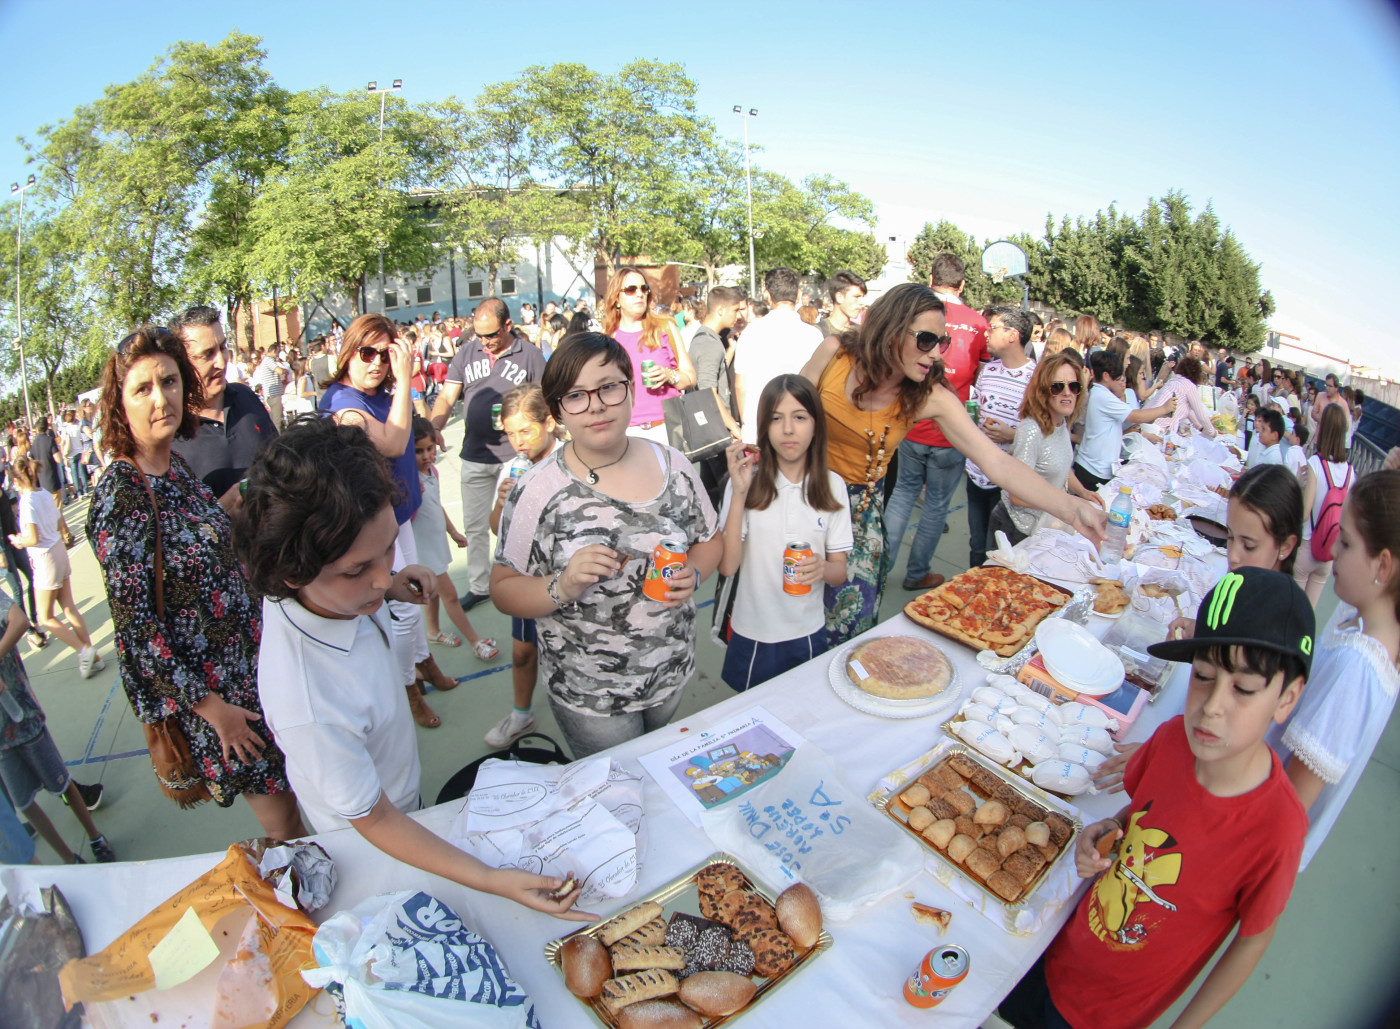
(1374, 502)
(1272, 492)
(816, 487)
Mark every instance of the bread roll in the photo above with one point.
(920, 818)
(941, 832)
(968, 827)
(962, 800)
(916, 795)
(993, 812)
(1006, 886)
(635, 959)
(665, 1013)
(960, 846)
(586, 965)
(799, 915)
(942, 809)
(717, 993)
(983, 862)
(1010, 840)
(1037, 833)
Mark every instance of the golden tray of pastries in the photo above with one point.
(678, 956)
(960, 805)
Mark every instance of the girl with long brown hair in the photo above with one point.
(661, 366)
(875, 381)
(782, 495)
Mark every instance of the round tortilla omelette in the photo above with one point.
(899, 668)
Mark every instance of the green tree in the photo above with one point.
(709, 206)
(947, 238)
(321, 221)
(795, 226)
(127, 173)
(619, 143)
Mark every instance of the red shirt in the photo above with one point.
(1123, 958)
(964, 355)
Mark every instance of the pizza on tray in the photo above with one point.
(988, 608)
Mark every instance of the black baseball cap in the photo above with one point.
(1250, 607)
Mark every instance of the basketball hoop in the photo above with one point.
(998, 273)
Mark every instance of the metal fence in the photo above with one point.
(1365, 456)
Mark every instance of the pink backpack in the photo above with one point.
(1329, 522)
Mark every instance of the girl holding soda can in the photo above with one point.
(576, 539)
(779, 503)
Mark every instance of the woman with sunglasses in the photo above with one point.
(199, 660)
(369, 387)
(875, 382)
(1054, 400)
(652, 340)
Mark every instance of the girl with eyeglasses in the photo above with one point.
(369, 387)
(875, 381)
(647, 337)
(1054, 400)
(575, 544)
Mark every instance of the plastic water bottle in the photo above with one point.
(11, 706)
(520, 465)
(1119, 515)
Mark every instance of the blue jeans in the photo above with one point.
(937, 471)
(77, 474)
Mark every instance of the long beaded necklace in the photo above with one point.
(874, 464)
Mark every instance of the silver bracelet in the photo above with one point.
(553, 590)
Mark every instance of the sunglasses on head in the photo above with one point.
(1075, 387)
(926, 340)
(159, 336)
(637, 287)
(369, 355)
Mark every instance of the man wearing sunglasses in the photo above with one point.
(487, 366)
(926, 460)
(233, 424)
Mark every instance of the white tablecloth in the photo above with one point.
(858, 982)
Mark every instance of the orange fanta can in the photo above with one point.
(667, 561)
(937, 974)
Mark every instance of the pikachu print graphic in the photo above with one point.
(1128, 899)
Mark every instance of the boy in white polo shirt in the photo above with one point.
(1105, 417)
(316, 534)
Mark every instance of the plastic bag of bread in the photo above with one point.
(975, 712)
(406, 959)
(994, 699)
(1063, 777)
(1035, 743)
(986, 740)
(1081, 755)
(1088, 736)
(1075, 713)
(829, 836)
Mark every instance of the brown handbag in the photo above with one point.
(171, 759)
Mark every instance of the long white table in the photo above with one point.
(859, 981)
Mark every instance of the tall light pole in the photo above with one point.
(373, 87)
(752, 112)
(17, 189)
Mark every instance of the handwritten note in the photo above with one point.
(185, 951)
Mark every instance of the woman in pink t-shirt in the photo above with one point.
(646, 336)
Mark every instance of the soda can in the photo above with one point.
(648, 367)
(667, 561)
(941, 969)
(972, 409)
(795, 552)
(496, 418)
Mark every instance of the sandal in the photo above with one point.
(422, 713)
(445, 639)
(485, 648)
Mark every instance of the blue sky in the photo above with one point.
(1285, 115)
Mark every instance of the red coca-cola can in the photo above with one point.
(941, 969)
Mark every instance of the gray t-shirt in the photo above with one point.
(1050, 456)
(711, 370)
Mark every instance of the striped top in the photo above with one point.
(998, 393)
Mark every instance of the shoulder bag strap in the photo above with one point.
(160, 553)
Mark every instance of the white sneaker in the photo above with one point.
(86, 657)
(97, 662)
(509, 729)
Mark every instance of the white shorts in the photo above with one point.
(51, 566)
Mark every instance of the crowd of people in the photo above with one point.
(275, 550)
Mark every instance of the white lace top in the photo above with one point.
(1343, 711)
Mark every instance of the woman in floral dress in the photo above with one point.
(200, 662)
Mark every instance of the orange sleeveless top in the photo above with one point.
(856, 438)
